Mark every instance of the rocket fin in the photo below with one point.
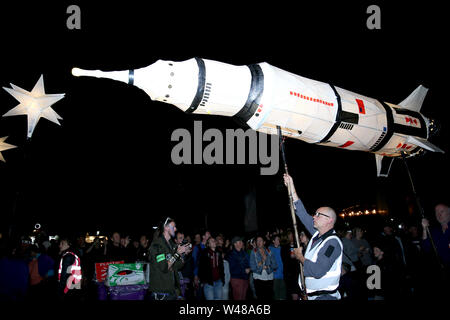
(383, 165)
(423, 143)
(415, 100)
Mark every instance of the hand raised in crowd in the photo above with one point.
(425, 225)
(299, 254)
(289, 183)
(288, 180)
(188, 249)
(183, 249)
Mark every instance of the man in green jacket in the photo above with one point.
(166, 258)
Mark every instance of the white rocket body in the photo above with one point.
(265, 97)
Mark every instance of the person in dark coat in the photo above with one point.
(211, 272)
(239, 262)
(14, 275)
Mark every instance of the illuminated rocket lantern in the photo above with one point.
(35, 104)
(265, 97)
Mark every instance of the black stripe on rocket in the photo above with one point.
(348, 120)
(349, 117)
(131, 76)
(410, 130)
(385, 135)
(200, 86)
(254, 95)
(393, 127)
(338, 116)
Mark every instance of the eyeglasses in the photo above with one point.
(165, 222)
(321, 214)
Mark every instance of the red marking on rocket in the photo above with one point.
(345, 145)
(361, 107)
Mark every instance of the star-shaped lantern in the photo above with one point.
(34, 104)
(4, 146)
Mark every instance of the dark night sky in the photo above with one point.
(108, 165)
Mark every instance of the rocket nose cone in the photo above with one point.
(114, 75)
(76, 72)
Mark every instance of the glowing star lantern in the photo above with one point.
(34, 104)
(4, 146)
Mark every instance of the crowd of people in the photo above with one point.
(215, 266)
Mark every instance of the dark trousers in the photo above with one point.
(264, 289)
(239, 288)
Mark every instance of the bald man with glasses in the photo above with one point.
(322, 261)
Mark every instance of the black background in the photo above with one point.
(107, 167)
